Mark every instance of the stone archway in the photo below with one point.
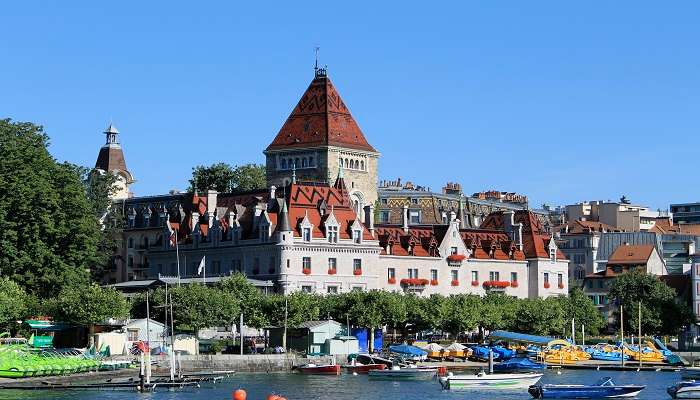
(357, 201)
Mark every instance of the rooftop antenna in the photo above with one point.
(317, 49)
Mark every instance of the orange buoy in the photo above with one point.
(273, 396)
(239, 394)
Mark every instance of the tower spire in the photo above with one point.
(111, 133)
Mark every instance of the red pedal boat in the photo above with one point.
(363, 369)
(313, 369)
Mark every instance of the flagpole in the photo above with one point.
(177, 254)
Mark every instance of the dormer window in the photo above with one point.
(306, 234)
(357, 236)
(332, 233)
(553, 254)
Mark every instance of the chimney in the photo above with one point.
(273, 190)
(369, 218)
(514, 230)
(405, 218)
(453, 216)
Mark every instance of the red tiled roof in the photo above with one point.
(535, 239)
(321, 118)
(631, 254)
(664, 225)
(577, 226)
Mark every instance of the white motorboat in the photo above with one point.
(490, 381)
(685, 390)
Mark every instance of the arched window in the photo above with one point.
(347, 163)
(284, 164)
(340, 161)
(311, 161)
(357, 164)
(296, 162)
(362, 165)
(303, 162)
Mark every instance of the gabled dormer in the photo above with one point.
(553, 249)
(306, 228)
(332, 228)
(356, 230)
(264, 225)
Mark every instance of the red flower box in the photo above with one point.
(455, 282)
(456, 257)
(357, 272)
(514, 284)
(546, 285)
(414, 281)
(496, 284)
(475, 283)
(306, 271)
(392, 281)
(433, 282)
(332, 271)
(561, 286)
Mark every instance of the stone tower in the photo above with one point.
(319, 138)
(111, 159)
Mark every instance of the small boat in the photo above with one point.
(518, 364)
(503, 353)
(605, 388)
(436, 351)
(481, 353)
(313, 369)
(403, 373)
(409, 352)
(685, 390)
(489, 381)
(363, 368)
(457, 350)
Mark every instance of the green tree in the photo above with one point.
(88, 304)
(13, 303)
(250, 301)
(661, 314)
(497, 312)
(100, 187)
(462, 314)
(301, 307)
(584, 312)
(540, 316)
(197, 306)
(49, 236)
(223, 177)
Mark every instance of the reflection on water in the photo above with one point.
(347, 387)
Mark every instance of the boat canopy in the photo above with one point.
(520, 337)
(406, 349)
(44, 325)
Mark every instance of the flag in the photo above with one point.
(172, 238)
(201, 266)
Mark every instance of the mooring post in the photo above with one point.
(490, 361)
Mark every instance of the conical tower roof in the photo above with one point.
(321, 118)
(283, 224)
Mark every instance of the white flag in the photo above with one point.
(201, 266)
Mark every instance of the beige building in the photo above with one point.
(621, 215)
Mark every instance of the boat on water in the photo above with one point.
(685, 390)
(409, 352)
(503, 353)
(605, 388)
(606, 352)
(489, 381)
(691, 373)
(313, 369)
(518, 364)
(397, 373)
(363, 368)
(481, 353)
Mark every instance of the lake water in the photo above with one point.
(347, 387)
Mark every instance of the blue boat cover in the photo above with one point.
(409, 350)
(520, 363)
(520, 337)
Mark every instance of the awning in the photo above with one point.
(520, 337)
(43, 325)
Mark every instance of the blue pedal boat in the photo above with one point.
(605, 388)
(518, 364)
(482, 353)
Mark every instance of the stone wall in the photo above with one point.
(250, 363)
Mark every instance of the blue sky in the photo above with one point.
(562, 101)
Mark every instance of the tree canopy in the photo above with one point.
(222, 177)
(13, 302)
(49, 236)
(661, 313)
(88, 304)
